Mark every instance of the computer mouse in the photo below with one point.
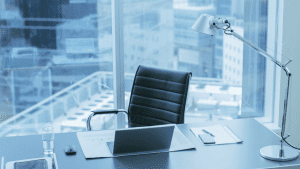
(70, 150)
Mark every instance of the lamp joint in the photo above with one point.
(286, 137)
(287, 63)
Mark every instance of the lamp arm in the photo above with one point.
(260, 51)
(283, 66)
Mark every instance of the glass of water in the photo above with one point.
(48, 138)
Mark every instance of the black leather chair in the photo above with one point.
(158, 96)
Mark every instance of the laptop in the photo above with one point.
(142, 140)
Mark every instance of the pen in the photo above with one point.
(208, 133)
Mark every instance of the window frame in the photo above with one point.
(118, 61)
(274, 43)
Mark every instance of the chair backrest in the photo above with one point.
(158, 97)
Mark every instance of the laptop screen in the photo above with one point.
(143, 139)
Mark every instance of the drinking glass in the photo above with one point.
(48, 138)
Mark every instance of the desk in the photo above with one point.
(241, 156)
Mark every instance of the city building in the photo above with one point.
(194, 51)
(233, 56)
(145, 42)
(230, 10)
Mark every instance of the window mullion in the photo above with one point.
(118, 60)
(270, 66)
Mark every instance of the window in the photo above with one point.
(67, 59)
(53, 63)
(254, 92)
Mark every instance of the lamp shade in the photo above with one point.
(202, 25)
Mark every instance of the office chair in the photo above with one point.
(158, 96)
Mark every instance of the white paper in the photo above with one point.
(180, 142)
(223, 135)
(93, 143)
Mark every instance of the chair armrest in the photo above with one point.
(95, 112)
(115, 111)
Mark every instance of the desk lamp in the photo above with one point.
(208, 24)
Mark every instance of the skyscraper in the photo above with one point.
(193, 50)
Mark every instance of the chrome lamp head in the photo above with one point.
(203, 25)
(208, 24)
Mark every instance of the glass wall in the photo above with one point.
(56, 64)
(56, 59)
(158, 33)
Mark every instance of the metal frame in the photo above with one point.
(118, 60)
(278, 70)
(269, 104)
(114, 111)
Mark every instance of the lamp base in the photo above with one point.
(272, 153)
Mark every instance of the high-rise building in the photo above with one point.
(233, 56)
(194, 50)
(149, 41)
(230, 10)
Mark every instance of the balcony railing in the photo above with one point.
(68, 109)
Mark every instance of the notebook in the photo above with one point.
(221, 134)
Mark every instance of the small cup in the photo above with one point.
(48, 138)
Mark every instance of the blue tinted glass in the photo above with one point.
(55, 55)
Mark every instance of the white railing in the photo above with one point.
(57, 105)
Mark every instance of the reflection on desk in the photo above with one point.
(93, 141)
